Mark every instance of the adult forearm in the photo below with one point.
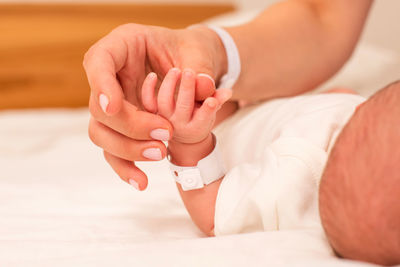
(296, 45)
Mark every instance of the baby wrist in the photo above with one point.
(186, 154)
(204, 172)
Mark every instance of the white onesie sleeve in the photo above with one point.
(277, 191)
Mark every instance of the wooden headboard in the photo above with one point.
(43, 45)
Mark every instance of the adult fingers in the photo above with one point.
(185, 100)
(149, 99)
(133, 123)
(127, 171)
(166, 93)
(101, 63)
(125, 147)
(205, 83)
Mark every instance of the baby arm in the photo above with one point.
(192, 139)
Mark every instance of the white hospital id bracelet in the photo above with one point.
(229, 79)
(208, 170)
(233, 58)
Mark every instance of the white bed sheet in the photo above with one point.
(62, 205)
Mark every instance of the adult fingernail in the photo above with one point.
(160, 134)
(188, 72)
(134, 184)
(207, 76)
(152, 75)
(175, 69)
(103, 99)
(152, 153)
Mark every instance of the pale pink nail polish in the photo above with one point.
(188, 72)
(207, 76)
(152, 75)
(160, 134)
(175, 69)
(103, 99)
(152, 153)
(134, 184)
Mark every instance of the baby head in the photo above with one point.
(360, 188)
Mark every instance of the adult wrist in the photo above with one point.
(232, 56)
(230, 62)
(220, 56)
(216, 49)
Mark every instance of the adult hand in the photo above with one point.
(116, 67)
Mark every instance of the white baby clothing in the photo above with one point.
(275, 153)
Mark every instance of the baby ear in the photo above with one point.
(149, 99)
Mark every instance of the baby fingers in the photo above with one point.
(222, 95)
(206, 112)
(149, 99)
(166, 94)
(185, 100)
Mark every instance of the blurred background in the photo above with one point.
(43, 43)
(61, 204)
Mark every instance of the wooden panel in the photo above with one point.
(42, 46)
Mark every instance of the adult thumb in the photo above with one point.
(205, 82)
(205, 86)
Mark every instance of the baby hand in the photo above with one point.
(192, 121)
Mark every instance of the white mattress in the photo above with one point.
(62, 205)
